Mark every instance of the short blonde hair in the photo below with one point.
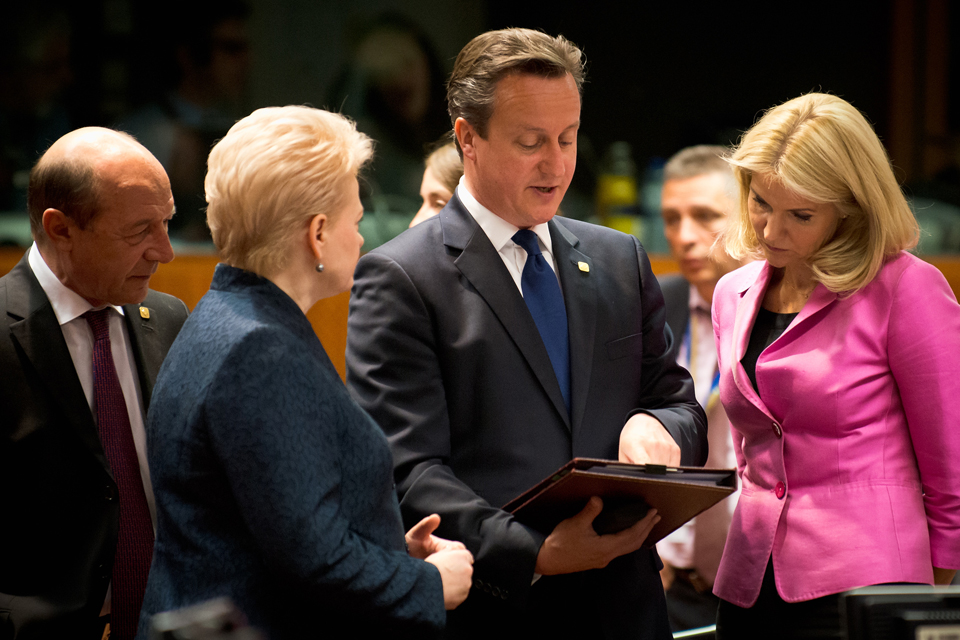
(273, 172)
(446, 165)
(822, 148)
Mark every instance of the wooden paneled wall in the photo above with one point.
(188, 278)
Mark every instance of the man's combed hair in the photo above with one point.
(490, 56)
(68, 185)
(271, 174)
(822, 148)
(697, 161)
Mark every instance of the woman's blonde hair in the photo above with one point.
(822, 148)
(445, 163)
(271, 174)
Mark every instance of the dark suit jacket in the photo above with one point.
(59, 500)
(273, 487)
(676, 299)
(444, 354)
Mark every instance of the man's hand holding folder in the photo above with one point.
(574, 545)
(555, 506)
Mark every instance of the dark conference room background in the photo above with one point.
(660, 76)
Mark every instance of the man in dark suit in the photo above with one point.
(82, 340)
(490, 365)
(698, 195)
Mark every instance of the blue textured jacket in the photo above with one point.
(273, 487)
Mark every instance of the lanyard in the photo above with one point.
(690, 347)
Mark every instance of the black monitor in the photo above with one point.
(901, 612)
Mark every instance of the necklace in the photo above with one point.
(785, 297)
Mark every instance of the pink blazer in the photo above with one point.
(850, 465)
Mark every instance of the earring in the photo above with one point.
(319, 268)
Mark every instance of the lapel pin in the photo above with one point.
(584, 267)
(144, 313)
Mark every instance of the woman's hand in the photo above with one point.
(456, 573)
(451, 558)
(421, 542)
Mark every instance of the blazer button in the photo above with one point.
(478, 583)
(495, 592)
(109, 493)
(781, 490)
(777, 430)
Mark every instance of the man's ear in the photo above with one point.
(59, 228)
(318, 235)
(467, 137)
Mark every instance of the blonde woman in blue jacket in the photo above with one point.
(273, 487)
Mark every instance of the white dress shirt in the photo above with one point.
(69, 308)
(500, 232)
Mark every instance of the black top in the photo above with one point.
(766, 329)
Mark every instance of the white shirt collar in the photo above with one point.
(697, 301)
(67, 304)
(498, 230)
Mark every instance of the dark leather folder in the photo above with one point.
(628, 491)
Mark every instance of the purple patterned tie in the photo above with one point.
(135, 543)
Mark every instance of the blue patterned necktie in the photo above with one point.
(541, 292)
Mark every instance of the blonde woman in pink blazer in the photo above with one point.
(839, 357)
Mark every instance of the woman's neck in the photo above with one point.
(789, 289)
(298, 285)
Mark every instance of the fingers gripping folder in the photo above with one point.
(628, 492)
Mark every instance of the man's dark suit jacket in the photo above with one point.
(676, 299)
(444, 354)
(59, 499)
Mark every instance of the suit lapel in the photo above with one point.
(35, 329)
(750, 301)
(578, 282)
(820, 298)
(147, 352)
(482, 266)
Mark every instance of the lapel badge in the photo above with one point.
(144, 313)
(584, 267)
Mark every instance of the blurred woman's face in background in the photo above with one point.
(434, 195)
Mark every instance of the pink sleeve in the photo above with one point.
(924, 352)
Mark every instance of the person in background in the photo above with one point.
(36, 75)
(273, 487)
(839, 373)
(211, 67)
(83, 339)
(392, 86)
(440, 180)
(496, 341)
(696, 202)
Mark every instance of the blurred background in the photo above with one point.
(661, 76)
